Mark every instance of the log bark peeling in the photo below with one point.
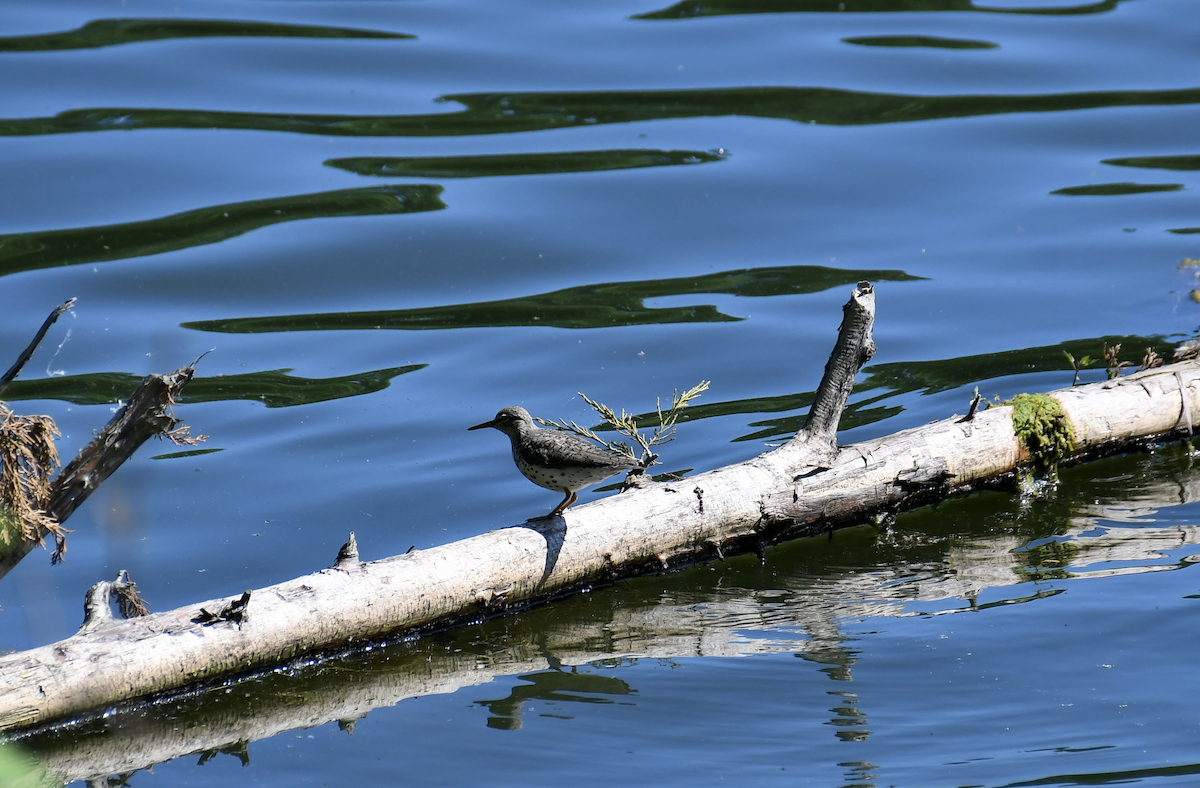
(804, 487)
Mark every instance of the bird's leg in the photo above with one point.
(571, 498)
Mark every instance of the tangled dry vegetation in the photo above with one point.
(28, 459)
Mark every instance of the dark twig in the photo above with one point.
(975, 401)
(15, 369)
(235, 612)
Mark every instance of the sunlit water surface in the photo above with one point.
(389, 219)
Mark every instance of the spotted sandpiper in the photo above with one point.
(559, 461)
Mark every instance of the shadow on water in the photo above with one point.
(76, 246)
(519, 163)
(509, 113)
(689, 9)
(274, 388)
(587, 306)
(964, 555)
(112, 32)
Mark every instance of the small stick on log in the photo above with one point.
(97, 613)
(347, 557)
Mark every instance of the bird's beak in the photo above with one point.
(491, 423)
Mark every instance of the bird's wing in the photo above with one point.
(566, 450)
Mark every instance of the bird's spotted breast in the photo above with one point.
(564, 478)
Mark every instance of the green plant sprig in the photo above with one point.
(1079, 365)
(626, 425)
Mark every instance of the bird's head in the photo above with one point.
(513, 421)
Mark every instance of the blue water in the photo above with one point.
(389, 219)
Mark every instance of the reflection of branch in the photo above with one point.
(273, 703)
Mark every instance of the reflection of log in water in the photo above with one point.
(812, 587)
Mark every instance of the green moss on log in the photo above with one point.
(1045, 430)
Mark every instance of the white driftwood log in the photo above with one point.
(806, 486)
(711, 621)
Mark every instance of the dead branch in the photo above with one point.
(146, 415)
